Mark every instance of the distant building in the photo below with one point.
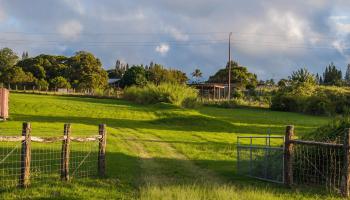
(114, 82)
(211, 90)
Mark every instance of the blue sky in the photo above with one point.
(272, 38)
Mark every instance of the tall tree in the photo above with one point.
(135, 75)
(8, 58)
(347, 75)
(87, 71)
(197, 74)
(240, 76)
(332, 76)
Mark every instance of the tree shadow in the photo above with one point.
(125, 173)
(177, 123)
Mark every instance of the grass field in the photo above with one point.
(158, 151)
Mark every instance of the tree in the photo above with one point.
(7, 59)
(15, 75)
(42, 84)
(60, 82)
(118, 70)
(197, 74)
(157, 74)
(302, 83)
(239, 76)
(302, 76)
(87, 70)
(347, 75)
(332, 76)
(46, 66)
(135, 75)
(25, 55)
(283, 83)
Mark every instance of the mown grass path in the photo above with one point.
(158, 151)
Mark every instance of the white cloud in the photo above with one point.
(342, 28)
(339, 17)
(289, 24)
(76, 5)
(71, 29)
(175, 33)
(162, 49)
(120, 17)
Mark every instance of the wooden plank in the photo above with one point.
(65, 153)
(24, 180)
(4, 94)
(288, 153)
(102, 150)
(345, 178)
(11, 138)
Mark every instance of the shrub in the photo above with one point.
(237, 94)
(332, 132)
(177, 94)
(321, 100)
(318, 105)
(283, 102)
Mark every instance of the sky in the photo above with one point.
(272, 38)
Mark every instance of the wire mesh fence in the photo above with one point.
(42, 160)
(10, 164)
(261, 157)
(318, 165)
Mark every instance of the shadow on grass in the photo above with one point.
(177, 123)
(126, 176)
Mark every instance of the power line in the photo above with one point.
(165, 33)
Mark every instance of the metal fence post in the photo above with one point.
(24, 180)
(65, 153)
(345, 178)
(102, 150)
(288, 153)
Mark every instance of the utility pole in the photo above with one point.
(229, 66)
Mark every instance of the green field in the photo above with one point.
(158, 151)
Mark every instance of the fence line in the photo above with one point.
(296, 162)
(30, 163)
(317, 163)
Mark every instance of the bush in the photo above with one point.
(284, 102)
(332, 132)
(177, 94)
(237, 94)
(318, 105)
(323, 100)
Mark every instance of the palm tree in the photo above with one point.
(197, 74)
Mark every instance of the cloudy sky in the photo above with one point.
(272, 38)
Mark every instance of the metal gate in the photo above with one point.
(261, 157)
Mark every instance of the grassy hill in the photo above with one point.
(158, 151)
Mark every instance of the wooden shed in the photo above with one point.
(4, 103)
(211, 90)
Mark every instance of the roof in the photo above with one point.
(113, 80)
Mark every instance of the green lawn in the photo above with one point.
(158, 151)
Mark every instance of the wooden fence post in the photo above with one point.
(102, 150)
(345, 178)
(65, 153)
(24, 180)
(288, 152)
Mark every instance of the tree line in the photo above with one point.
(83, 71)
(140, 75)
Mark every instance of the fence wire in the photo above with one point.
(10, 164)
(83, 159)
(45, 165)
(316, 165)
